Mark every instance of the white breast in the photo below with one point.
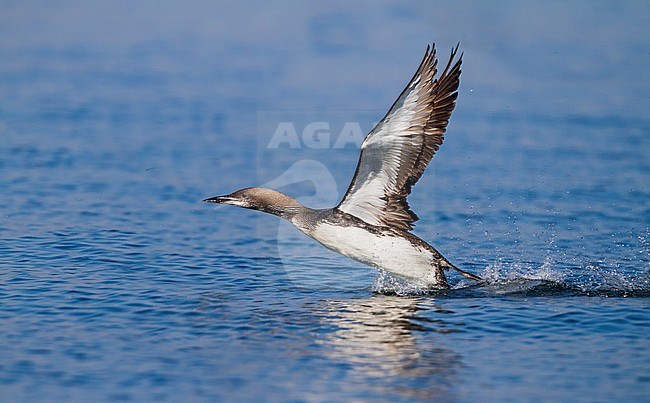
(389, 252)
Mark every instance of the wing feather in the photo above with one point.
(398, 149)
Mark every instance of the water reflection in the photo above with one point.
(387, 342)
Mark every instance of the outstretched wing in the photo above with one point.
(396, 152)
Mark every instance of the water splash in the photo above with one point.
(500, 272)
(530, 280)
(389, 284)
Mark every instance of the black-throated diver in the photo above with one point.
(372, 221)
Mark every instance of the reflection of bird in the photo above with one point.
(391, 339)
(372, 221)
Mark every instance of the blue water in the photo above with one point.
(117, 283)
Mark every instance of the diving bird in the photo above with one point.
(371, 224)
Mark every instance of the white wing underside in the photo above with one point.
(396, 152)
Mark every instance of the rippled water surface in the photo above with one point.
(117, 283)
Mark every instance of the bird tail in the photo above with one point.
(466, 274)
